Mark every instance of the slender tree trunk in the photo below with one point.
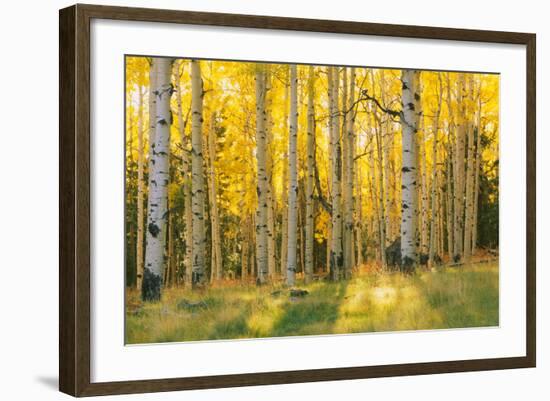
(379, 199)
(216, 252)
(349, 141)
(310, 219)
(359, 217)
(476, 174)
(261, 144)
(158, 190)
(387, 143)
(293, 178)
(449, 200)
(336, 255)
(171, 279)
(269, 173)
(197, 166)
(469, 205)
(434, 220)
(374, 198)
(409, 207)
(284, 190)
(423, 189)
(140, 195)
(186, 175)
(459, 174)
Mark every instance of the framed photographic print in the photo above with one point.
(250, 200)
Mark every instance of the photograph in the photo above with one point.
(269, 199)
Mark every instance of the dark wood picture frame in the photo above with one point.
(74, 199)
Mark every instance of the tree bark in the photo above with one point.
(469, 205)
(284, 190)
(359, 218)
(158, 189)
(459, 174)
(336, 254)
(216, 251)
(409, 204)
(261, 213)
(433, 200)
(310, 219)
(186, 177)
(293, 178)
(269, 173)
(476, 173)
(349, 141)
(197, 167)
(140, 195)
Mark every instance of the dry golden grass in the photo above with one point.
(372, 301)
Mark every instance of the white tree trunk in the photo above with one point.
(292, 178)
(409, 201)
(158, 190)
(469, 204)
(140, 195)
(261, 144)
(216, 251)
(269, 174)
(186, 173)
(310, 219)
(349, 141)
(336, 253)
(359, 217)
(459, 174)
(476, 174)
(197, 173)
(434, 220)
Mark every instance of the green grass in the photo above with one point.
(446, 298)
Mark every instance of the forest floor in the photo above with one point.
(449, 297)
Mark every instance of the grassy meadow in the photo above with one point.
(450, 297)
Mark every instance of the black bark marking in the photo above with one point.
(151, 286)
(154, 229)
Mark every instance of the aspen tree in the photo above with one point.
(284, 191)
(476, 171)
(140, 193)
(449, 199)
(349, 144)
(261, 212)
(434, 220)
(197, 173)
(387, 142)
(409, 207)
(293, 178)
(381, 213)
(336, 255)
(469, 201)
(186, 173)
(269, 174)
(158, 189)
(310, 219)
(152, 104)
(423, 188)
(216, 252)
(359, 217)
(459, 173)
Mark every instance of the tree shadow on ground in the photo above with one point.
(314, 314)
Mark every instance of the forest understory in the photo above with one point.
(372, 301)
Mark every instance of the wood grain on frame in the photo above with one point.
(74, 199)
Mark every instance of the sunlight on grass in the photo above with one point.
(370, 302)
